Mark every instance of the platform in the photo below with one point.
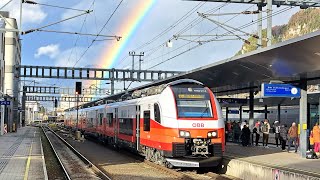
(267, 163)
(21, 155)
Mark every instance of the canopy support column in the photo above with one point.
(303, 118)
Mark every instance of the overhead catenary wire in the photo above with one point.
(243, 26)
(276, 13)
(82, 55)
(196, 21)
(49, 5)
(195, 38)
(224, 24)
(54, 23)
(79, 33)
(168, 29)
(5, 4)
(77, 39)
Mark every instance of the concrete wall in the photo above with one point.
(250, 171)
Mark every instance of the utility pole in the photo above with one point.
(77, 110)
(133, 54)
(259, 26)
(140, 60)
(269, 22)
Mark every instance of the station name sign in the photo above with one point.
(232, 101)
(4, 102)
(280, 90)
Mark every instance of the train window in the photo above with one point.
(146, 120)
(109, 119)
(90, 124)
(100, 118)
(126, 126)
(157, 113)
(194, 108)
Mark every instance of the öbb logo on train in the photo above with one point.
(197, 124)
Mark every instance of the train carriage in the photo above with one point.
(176, 124)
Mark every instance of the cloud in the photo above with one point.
(33, 14)
(51, 50)
(76, 56)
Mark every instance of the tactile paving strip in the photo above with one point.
(5, 158)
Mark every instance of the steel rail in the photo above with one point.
(95, 169)
(57, 156)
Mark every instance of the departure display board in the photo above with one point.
(191, 93)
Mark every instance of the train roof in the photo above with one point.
(136, 93)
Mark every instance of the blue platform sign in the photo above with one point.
(280, 90)
(4, 102)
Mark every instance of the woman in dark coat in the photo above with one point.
(245, 137)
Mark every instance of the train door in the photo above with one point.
(116, 125)
(96, 122)
(138, 127)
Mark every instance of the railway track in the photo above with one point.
(190, 173)
(124, 165)
(73, 163)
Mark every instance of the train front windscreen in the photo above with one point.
(193, 101)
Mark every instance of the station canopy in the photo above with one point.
(288, 61)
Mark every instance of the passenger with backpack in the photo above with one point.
(265, 128)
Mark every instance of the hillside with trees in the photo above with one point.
(303, 22)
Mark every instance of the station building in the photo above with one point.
(10, 56)
(2, 64)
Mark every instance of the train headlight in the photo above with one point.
(184, 134)
(212, 134)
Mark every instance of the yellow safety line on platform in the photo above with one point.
(26, 173)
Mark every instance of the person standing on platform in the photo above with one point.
(256, 132)
(229, 129)
(293, 136)
(245, 136)
(283, 136)
(236, 132)
(277, 132)
(265, 128)
(316, 138)
(311, 140)
(243, 124)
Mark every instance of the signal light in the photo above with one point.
(78, 87)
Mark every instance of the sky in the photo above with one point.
(138, 22)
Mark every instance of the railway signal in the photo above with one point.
(78, 87)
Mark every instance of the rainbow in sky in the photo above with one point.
(126, 30)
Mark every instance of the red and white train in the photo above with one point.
(178, 124)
